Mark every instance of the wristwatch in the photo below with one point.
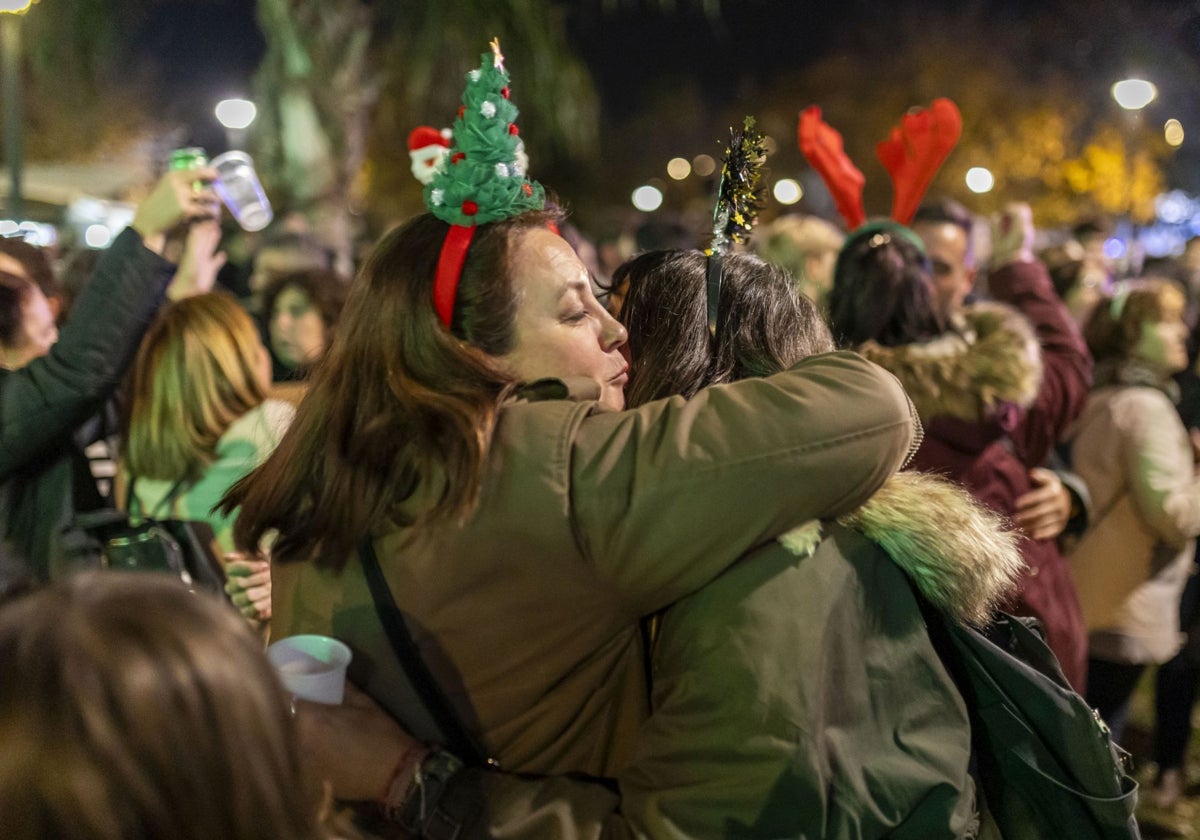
(438, 805)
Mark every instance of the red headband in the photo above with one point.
(449, 270)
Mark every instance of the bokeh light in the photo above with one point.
(647, 198)
(1134, 94)
(1173, 133)
(787, 191)
(678, 168)
(704, 165)
(980, 179)
(235, 113)
(97, 236)
(1114, 248)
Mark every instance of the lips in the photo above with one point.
(622, 377)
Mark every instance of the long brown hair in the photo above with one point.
(400, 409)
(197, 370)
(766, 324)
(131, 709)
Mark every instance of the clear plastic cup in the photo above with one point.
(238, 186)
(311, 667)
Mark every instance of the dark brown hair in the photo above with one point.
(14, 294)
(765, 324)
(325, 289)
(133, 709)
(35, 261)
(1114, 327)
(882, 291)
(401, 409)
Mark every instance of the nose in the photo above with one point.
(612, 333)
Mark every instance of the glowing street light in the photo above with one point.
(647, 198)
(1173, 132)
(787, 191)
(1134, 94)
(980, 179)
(236, 114)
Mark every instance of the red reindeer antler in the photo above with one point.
(914, 152)
(822, 147)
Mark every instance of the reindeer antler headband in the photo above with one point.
(912, 154)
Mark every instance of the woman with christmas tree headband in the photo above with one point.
(463, 421)
(817, 626)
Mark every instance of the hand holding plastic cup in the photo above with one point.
(311, 667)
(238, 186)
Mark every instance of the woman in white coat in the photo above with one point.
(1133, 451)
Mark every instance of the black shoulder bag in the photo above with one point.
(131, 541)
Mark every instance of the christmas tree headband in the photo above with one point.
(912, 155)
(484, 178)
(739, 198)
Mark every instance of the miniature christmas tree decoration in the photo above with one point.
(484, 179)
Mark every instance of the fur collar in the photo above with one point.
(960, 555)
(994, 360)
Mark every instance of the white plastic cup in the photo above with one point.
(311, 667)
(238, 186)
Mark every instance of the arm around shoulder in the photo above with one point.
(666, 496)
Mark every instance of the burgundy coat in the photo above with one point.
(993, 408)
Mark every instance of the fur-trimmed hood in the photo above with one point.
(994, 360)
(961, 556)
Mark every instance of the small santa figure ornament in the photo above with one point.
(427, 147)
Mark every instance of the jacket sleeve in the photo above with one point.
(560, 807)
(42, 402)
(1066, 363)
(1162, 480)
(666, 496)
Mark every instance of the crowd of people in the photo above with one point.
(665, 553)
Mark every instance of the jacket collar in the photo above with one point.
(970, 373)
(959, 554)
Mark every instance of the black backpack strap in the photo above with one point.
(458, 740)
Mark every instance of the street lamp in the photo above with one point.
(236, 115)
(1134, 94)
(10, 82)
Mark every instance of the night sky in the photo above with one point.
(202, 50)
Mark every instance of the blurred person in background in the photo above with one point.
(302, 310)
(281, 252)
(1177, 683)
(133, 709)
(44, 402)
(995, 393)
(1078, 281)
(946, 228)
(1138, 460)
(199, 420)
(807, 247)
(33, 263)
(27, 328)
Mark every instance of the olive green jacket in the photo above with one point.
(798, 694)
(528, 615)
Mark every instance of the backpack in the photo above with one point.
(1046, 764)
(131, 541)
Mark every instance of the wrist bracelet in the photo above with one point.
(404, 776)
